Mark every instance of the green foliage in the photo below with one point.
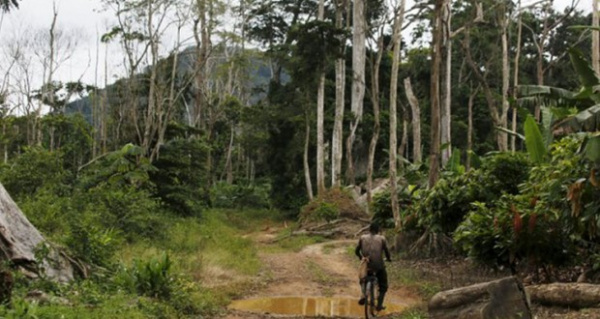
(92, 243)
(152, 278)
(34, 170)
(181, 176)
(241, 195)
(443, 207)
(534, 141)
(19, 309)
(553, 221)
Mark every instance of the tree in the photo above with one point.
(359, 31)
(434, 152)
(321, 117)
(397, 42)
(8, 5)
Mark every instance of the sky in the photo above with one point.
(86, 20)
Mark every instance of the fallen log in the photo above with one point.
(501, 298)
(568, 295)
(19, 240)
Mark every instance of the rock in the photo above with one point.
(499, 299)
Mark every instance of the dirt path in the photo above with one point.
(322, 270)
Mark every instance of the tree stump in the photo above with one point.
(499, 299)
(19, 240)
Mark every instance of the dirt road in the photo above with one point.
(325, 272)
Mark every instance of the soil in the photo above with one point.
(326, 269)
(329, 269)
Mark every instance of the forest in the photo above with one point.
(469, 129)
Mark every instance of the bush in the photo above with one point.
(225, 195)
(332, 204)
(150, 278)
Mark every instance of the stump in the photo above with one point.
(499, 299)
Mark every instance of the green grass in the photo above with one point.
(409, 278)
(216, 240)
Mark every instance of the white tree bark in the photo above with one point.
(503, 137)
(416, 120)
(397, 40)
(513, 139)
(358, 78)
(320, 119)
(340, 92)
(446, 118)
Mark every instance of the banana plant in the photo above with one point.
(582, 107)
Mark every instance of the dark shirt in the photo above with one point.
(373, 246)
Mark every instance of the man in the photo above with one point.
(373, 246)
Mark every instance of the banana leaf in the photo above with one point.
(534, 141)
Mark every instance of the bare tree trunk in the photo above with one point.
(397, 41)
(513, 139)
(358, 79)
(309, 189)
(416, 120)
(434, 153)
(340, 90)
(446, 118)
(470, 129)
(503, 137)
(376, 124)
(321, 120)
(595, 37)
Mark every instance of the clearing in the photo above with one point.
(311, 277)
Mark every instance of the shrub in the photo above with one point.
(225, 195)
(152, 278)
(333, 203)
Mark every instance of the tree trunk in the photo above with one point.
(513, 138)
(434, 153)
(376, 124)
(309, 190)
(358, 79)
(19, 241)
(595, 37)
(340, 90)
(567, 295)
(470, 129)
(502, 136)
(503, 298)
(397, 41)
(416, 120)
(321, 120)
(446, 117)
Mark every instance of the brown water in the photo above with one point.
(308, 306)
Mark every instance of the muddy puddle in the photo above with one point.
(308, 306)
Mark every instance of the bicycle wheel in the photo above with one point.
(370, 311)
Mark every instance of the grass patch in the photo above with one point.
(410, 278)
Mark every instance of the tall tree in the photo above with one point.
(436, 52)
(359, 31)
(321, 118)
(595, 37)
(397, 46)
(337, 143)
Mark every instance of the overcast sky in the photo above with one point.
(85, 18)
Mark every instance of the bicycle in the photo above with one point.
(371, 294)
